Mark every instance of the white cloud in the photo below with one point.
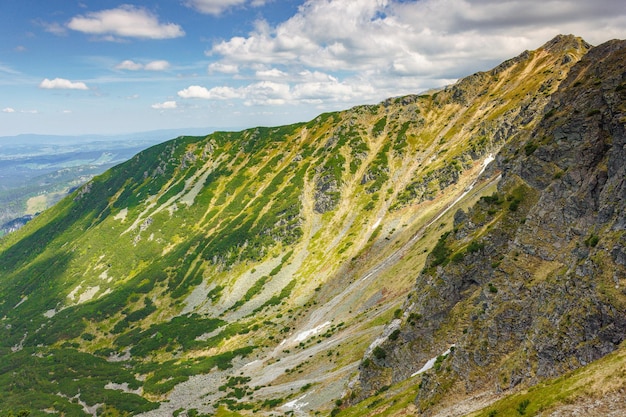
(157, 65)
(271, 73)
(282, 93)
(8, 110)
(195, 91)
(216, 93)
(223, 68)
(125, 21)
(214, 7)
(62, 84)
(150, 66)
(129, 65)
(380, 48)
(165, 105)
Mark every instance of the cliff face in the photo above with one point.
(531, 282)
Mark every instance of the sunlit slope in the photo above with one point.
(247, 270)
(529, 282)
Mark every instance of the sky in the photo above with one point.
(100, 66)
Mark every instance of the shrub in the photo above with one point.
(440, 252)
(379, 353)
(592, 241)
(529, 148)
(522, 406)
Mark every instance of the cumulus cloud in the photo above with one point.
(311, 88)
(380, 48)
(150, 66)
(157, 65)
(271, 73)
(125, 21)
(165, 105)
(8, 110)
(223, 68)
(62, 84)
(216, 93)
(129, 65)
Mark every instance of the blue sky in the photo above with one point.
(76, 67)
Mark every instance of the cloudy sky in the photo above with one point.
(102, 66)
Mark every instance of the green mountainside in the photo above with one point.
(273, 271)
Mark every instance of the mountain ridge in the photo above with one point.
(250, 271)
(523, 309)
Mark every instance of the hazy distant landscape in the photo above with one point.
(36, 171)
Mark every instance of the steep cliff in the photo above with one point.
(531, 281)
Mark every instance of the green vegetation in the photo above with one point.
(440, 253)
(592, 240)
(133, 280)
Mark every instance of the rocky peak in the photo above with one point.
(564, 43)
(530, 283)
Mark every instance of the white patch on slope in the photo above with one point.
(50, 313)
(431, 362)
(88, 294)
(295, 405)
(121, 216)
(84, 296)
(21, 301)
(302, 336)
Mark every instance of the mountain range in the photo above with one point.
(458, 252)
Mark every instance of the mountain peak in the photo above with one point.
(564, 43)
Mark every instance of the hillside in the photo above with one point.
(252, 271)
(529, 284)
(39, 170)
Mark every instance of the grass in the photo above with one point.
(592, 381)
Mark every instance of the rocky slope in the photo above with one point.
(530, 282)
(249, 272)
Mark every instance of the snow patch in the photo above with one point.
(296, 405)
(489, 159)
(393, 326)
(431, 362)
(375, 225)
(302, 336)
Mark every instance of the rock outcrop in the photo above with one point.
(531, 282)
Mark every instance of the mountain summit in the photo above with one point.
(390, 258)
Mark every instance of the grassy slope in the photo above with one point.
(204, 251)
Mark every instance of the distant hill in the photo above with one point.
(36, 171)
